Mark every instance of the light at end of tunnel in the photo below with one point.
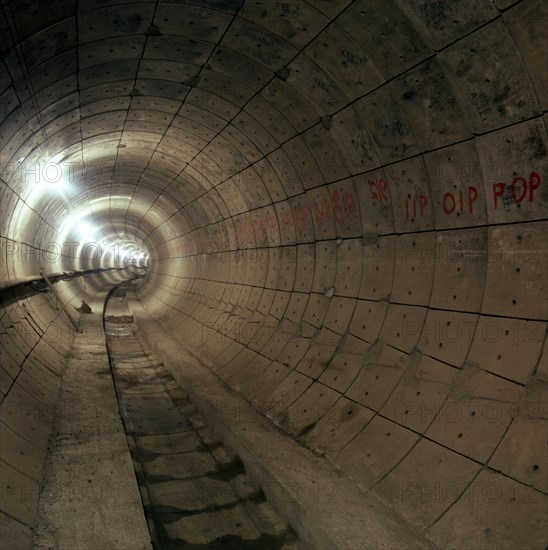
(121, 252)
(86, 231)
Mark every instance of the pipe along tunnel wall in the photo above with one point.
(343, 209)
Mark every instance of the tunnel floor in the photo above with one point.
(195, 494)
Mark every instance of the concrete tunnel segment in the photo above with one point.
(343, 209)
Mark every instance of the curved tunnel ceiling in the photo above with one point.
(370, 172)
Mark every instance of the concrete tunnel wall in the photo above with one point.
(344, 208)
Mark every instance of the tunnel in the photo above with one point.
(319, 225)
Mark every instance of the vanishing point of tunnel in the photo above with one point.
(273, 274)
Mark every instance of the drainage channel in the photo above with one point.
(196, 495)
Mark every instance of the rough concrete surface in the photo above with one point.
(89, 495)
(338, 210)
(197, 493)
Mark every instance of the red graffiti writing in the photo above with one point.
(337, 210)
(379, 190)
(322, 211)
(460, 202)
(517, 191)
(415, 206)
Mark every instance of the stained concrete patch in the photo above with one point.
(192, 494)
(191, 465)
(196, 493)
(152, 414)
(210, 526)
(169, 443)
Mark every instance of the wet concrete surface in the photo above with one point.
(196, 495)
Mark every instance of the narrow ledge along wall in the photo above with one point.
(344, 206)
(35, 339)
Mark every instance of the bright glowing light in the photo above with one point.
(122, 251)
(60, 188)
(49, 180)
(79, 228)
(86, 230)
(109, 198)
